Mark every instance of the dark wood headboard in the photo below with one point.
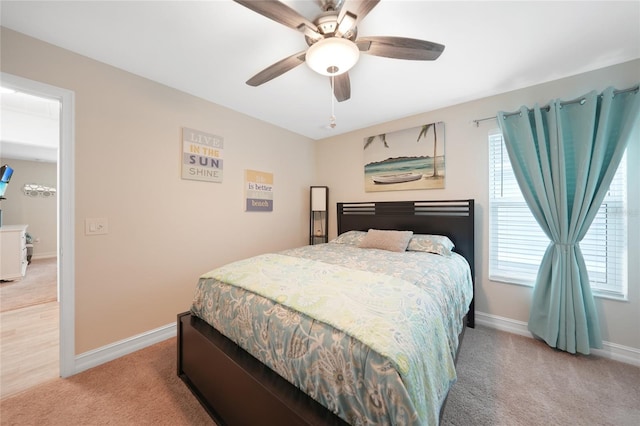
(453, 218)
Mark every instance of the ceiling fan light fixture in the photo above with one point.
(332, 56)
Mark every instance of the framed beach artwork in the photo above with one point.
(405, 159)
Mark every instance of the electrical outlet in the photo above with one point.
(96, 226)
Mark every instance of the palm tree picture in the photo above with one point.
(408, 159)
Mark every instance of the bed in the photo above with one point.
(239, 388)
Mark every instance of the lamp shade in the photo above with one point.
(318, 199)
(332, 56)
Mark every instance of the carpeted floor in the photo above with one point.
(504, 379)
(139, 389)
(38, 286)
(511, 380)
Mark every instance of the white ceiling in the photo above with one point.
(210, 48)
(29, 127)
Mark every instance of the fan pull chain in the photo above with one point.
(332, 119)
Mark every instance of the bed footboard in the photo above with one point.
(234, 387)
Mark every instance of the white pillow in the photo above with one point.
(438, 244)
(352, 238)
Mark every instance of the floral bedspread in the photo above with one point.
(369, 334)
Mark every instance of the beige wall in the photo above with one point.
(37, 212)
(163, 231)
(339, 162)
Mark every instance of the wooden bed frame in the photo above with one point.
(237, 389)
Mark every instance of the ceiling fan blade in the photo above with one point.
(341, 86)
(359, 8)
(279, 12)
(277, 69)
(400, 48)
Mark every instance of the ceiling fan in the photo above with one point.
(334, 46)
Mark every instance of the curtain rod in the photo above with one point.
(580, 100)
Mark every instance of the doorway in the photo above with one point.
(65, 213)
(29, 307)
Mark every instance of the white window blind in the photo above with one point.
(517, 243)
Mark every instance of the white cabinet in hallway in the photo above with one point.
(13, 252)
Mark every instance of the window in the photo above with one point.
(517, 243)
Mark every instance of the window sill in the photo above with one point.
(524, 283)
(610, 296)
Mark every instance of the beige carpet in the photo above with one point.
(504, 379)
(139, 389)
(511, 380)
(38, 286)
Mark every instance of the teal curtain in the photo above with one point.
(564, 157)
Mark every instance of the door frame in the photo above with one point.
(65, 209)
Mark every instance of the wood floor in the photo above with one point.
(29, 347)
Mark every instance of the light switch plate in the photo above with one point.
(96, 226)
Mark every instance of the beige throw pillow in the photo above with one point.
(386, 240)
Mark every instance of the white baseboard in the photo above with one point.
(44, 255)
(503, 324)
(609, 350)
(616, 352)
(116, 350)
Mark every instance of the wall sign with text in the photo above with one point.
(258, 191)
(201, 156)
